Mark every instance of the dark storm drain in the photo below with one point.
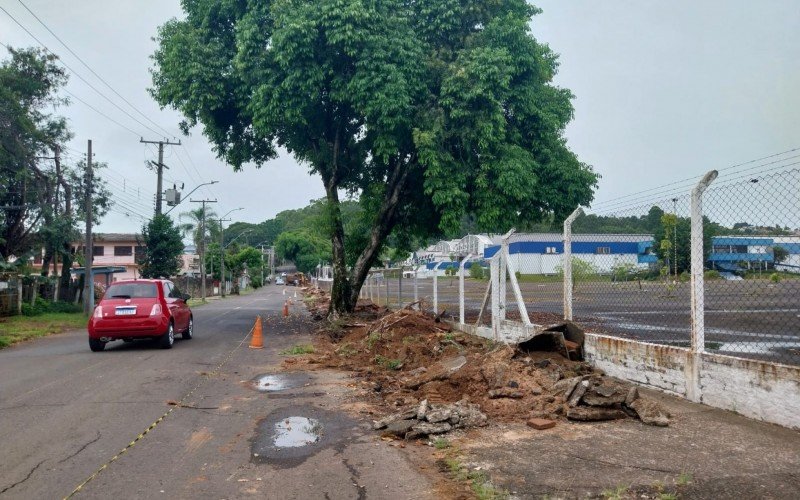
(276, 383)
(291, 434)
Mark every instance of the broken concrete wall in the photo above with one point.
(657, 366)
(755, 389)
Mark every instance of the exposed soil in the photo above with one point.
(406, 356)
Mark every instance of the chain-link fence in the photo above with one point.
(752, 253)
(629, 271)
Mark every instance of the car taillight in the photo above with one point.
(156, 310)
(98, 312)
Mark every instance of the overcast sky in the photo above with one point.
(664, 91)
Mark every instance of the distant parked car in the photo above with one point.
(280, 281)
(139, 309)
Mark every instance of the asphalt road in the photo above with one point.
(67, 414)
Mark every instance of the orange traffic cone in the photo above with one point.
(257, 342)
(286, 309)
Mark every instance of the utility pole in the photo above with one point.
(203, 247)
(88, 278)
(160, 169)
(222, 257)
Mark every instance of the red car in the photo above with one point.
(138, 309)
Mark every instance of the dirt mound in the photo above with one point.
(408, 356)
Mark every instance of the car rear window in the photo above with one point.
(132, 291)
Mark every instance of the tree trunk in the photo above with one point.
(384, 223)
(341, 298)
(64, 280)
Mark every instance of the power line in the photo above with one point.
(667, 196)
(91, 70)
(681, 190)
(694, 178)
(77, 74)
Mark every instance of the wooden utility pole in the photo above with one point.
(88, 279)
(160, 168)
(203, 247)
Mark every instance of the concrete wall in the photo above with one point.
(755, 389)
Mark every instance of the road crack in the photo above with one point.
(26, 478)
(354, 477)
(96, 439)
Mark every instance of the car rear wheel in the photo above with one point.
(189, 333)
(168, 338)
(96, 345)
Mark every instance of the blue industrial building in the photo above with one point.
(732, 253)
(542, 253)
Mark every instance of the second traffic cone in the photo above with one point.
(257, 342)
(286, 309)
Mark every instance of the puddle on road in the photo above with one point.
(294, 432)
(291, 434)
(269, 383)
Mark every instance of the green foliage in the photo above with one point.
(20, 328)
(441, 443)
(477, 272)
(431, 111)
(779, 254)
(373, 339)
(199, 225)
(581, 271)
(298, 350)
(712, 274)
(41, 306)
(346, 350)
(388, 363)
(775, 278)
(162, 248)
(303, 248)
(42, 200)
(623, 271)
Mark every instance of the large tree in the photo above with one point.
(428, 111)
(162, 248)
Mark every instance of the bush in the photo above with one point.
(42, 306)
(712, 274)
(775, 278)
(477, 272)
(685, 277)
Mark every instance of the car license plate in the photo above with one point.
(126, 311)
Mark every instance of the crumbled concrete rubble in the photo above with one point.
(595, 398)
(422, 372)
(427, 419)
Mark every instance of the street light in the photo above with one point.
(190, 193)
(222, 251)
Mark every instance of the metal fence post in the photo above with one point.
(698, 284)
(567, 264)
(400, 289)
(501, 281)
(494, 275)
(416, 289)
(461, 288)
(436, 288)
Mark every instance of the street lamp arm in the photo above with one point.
(188, 195)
